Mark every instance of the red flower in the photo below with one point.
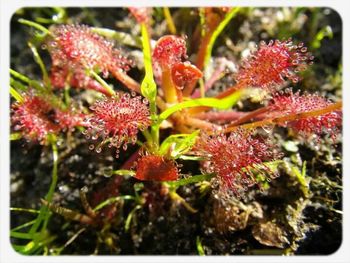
(285, 104)
(169, 50)
(272, 63)
(156, 168)
(117, 120)
(234, 159)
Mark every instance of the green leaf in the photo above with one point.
(148, 85)
(190, 180)
(32, 83)
(17, 85)
(21, 235)
(200, 248)
(181, 143)
(222, 104)
(18, 97)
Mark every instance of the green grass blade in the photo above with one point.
(44, 213)
(18, 97)
(33, 83)
(40, 62)
(190, 180)
(231, 14)
(112, 200)
(128, 219)
(23, 225)
(34, 25)
(148, 85)
(200, 248)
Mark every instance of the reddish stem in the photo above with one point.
(250, 115)
(220, 116)
(127, 80)
(199, 62)
(290, 117)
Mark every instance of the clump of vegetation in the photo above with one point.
(198, 150)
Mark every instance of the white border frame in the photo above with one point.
(7, 8)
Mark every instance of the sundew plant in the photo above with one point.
(194, 131)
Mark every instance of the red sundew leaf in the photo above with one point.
(289, 103)
(274, 62)
(34, 118)
(37, 116)
(185, 73)
(77, 47)
(156, 168)
(169, 50)
(118, 120)
(232, 157)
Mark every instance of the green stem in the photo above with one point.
(224, 103)
(103, 83)
(200, 248)
(148, 137)
(23, 226)
(40, 62)
(33, 83)
(169, 20)
(19, 209)
(35, 25)
(18, 97)
(112, 200)
(176, 197)
(44, 211)
(155, 135)
(190, 180)
(217, 32)
(20, 76)
(128, 219)
(49, 195)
